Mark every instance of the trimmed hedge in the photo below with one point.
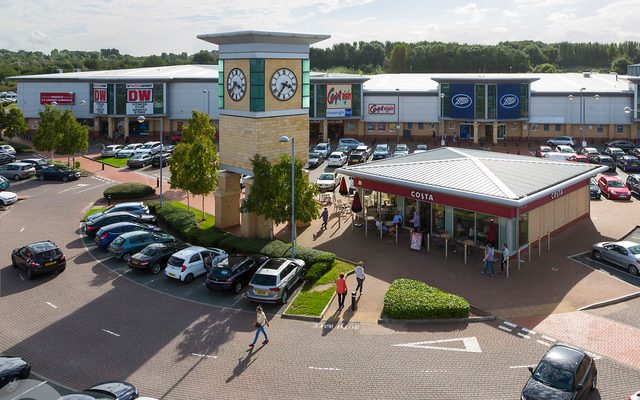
(19, 147)
(182, 224)
(317, 270)
(410, 299)
(126, 191)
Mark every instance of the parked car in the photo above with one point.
(134, 207)
(352, 143)
(566, 149)
(13, 369)
(130, 243)
(328, 181)
(235, 272)
(543, 149)
(579, 158)
(628, 163)
(38, 163)
(594, 189)
(115, 390)
(166, 159)
(58, 173)
(148, 148)
(8, 198)
(563, 373)
(39, 258)
(168, 148)
(92, 226)
(603, 160)
(176, 138)
(243, 178)
(634, 152)
(4, 183)
(17, 170)
(613, 188)
(139, 160)
(344, 149)
(108, 233)
(634, 396)
(421, 148)
(633, 184)
(588, 151)
(192, 262)
(7, 148)
(275, 279)
(6, 158)
(315, 159)
(128, 150)
(558, 156)
(154, 257)
(111, 150)
(337, 159)
(565, 140)
(356, 157)
(625, 254)
(622, 144)
(613, 152)
(381, 151)
(401, 150)
(365, 149)
(323, 149)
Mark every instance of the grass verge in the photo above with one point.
(209, 220)
(93, 211)
(113, 161)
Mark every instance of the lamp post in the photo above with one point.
(398, 116)
(141, 120)
(205, 91)
(441, 120)
(285, 139)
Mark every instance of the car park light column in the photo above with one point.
(441, 120)
(140, 120)
(285, 139)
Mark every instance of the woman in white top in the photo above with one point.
(261, 321)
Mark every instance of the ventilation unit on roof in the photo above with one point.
(586, 74)
(59, 71)
(77, 70)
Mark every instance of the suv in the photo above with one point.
(192, 262)
(92, 226)
(603, 160)
(614, 152)
(234, 272)
(566, 140)
(39, 258)
(17, 170)
(275, 278)
(149, 148)
(6, 158)
(357, 157)
(111, 150)
(323, 148)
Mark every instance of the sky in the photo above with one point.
(146, 27)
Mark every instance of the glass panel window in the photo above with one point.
(464, 225)
(558, 127)
(409, 125)
(491, 101)
(391, 127)
(524, 100)
(256, 79)
(438, 223)
(420, 125)
(371, 126)
(356, 105)
(480, 101)
(487, 229)
(381, 126)
(444, 101)
(545, 127)
(619, 128)
(534, 127)
(523, 229)
(600, 128)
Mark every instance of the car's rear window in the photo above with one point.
(118, 241)
(221, 272)
(176, 261)
(264, 280)
(48, 255)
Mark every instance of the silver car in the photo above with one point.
(625, 254)
(275, 280)
(17, 170)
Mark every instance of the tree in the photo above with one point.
(48, 136)
(399, 59)
(620, 64)
(12, 121)
(545, 69)
(74, 136)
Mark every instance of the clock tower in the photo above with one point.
(263, 94)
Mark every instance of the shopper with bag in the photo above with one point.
(261, 321)
(359, 272)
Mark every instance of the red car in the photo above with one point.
(543, 149)
(614, 188)
(580, 158)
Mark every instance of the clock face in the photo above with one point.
(236, 84)
(284, 84)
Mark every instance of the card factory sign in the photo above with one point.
(100, 98)
(382, 108)
(339, 101)
(65, 98)
(139, 98)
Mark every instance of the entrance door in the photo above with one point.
(502, 132)
(406, 134)
(336, 130)
(465, 131)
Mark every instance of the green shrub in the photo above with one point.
(275, 248)
(409, 299)
(19, 147)
(235, 244)
(316, 271)
(209, 237)
(125, 191)
(182, 223)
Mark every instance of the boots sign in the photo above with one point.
(139, 98)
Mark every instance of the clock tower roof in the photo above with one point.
(245, 37)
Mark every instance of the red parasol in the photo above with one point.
(344, 190)
(356, 206)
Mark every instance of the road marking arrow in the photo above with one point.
(471, 345)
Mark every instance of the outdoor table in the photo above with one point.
(366, 223)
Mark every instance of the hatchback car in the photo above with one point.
(625, 254)
(7, 148)
(192, 262)
(613, 188)
(139, 160)
(401, 150)
(12, 370)
(594, 189)
(421, 148)
(4, 183)
(154, 257)
(38, 163)
(633, 184)
(166, 159)
(128, 150)
(324, 149)
(337, 159)
(115, 390)
(91, 227)
(622, 144)
(588, 151)
(111, 150)
(149, 147)
(542, 149)
(614, 152)
(603, 160)
(134, 207)
(235, 272)
(314, 160)
(357, 157)
(628, 163)
(17, 170)
(563, 373)
(328, 182)
(8, 198)
(132, 242)
(565, 140)
(381, 151)
(346, 150)
(6, 158)
(365, 149)
(566, 149)
(275, 279)
(58, 173)
(108, 233)
(39, 258)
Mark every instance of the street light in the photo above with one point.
(583, 137)
(285, 139)
(208, 102)
(627, 110)
(141, 120)
(441, 120)
(398, 116)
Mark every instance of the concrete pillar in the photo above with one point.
(111, 127)
(476, 132)
(227, 199)
(96, 124)
(612, 131)
(495, 133)
(126, 127)
(263, 227)
(325, 131)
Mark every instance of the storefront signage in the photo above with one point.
(421, 195)
(462, 100)
(556, 194)
(509, 101)
(382, 108)
(64, 98)
(100, 98)
(339, 112)
(139, 98)
(338, 96)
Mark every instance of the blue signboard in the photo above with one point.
(509, 101)
(462, 99)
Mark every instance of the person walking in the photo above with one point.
(359, 276)
(325, 218)
(505, 258)
(488, 260)
(416, 221)
(341, 289)
(261, 321)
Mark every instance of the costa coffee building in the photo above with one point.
(476, 195)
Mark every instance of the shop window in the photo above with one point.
(486, 229)
(523, 230)
(600, 128)
(371, 126)
(545, 127)
(409, 125)
(391, 128)
(464, 225)
(420, 125)
(534, 127)
(351, 126)
(410, 207)
(619, 128)
(381, 126)
(438, 223)
(558, 128)
(452, 126)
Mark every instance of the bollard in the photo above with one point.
(109, 199)
(465, 253)
(157, 182)
(102, 166)
(428, 242)
(353, 301)
(446, 248)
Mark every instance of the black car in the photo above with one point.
(6, 158)
(12, 370)
(622, 144)
(139, 160)
(91, 227)
(563, 373)
(236, 272)
(357, 157)
(613, 152)
(166, 159)
(115, 390)
(628, 163)
(634, 152)
(38, 163)
(633, 184)
(603, 160)
(154, 257)
(58, 173)
(594, 189)
(39, 258)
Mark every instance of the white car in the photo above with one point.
(366, 149)
(193, 262)
(401, 150)
(8, 198)
(328, 181)
(8, 149)
(558, 156)
(566, 149)
(111, 150)
(566, 140)
(148, 147)
(421, 148)
(323, 148)
(337, 159)
(128, 150)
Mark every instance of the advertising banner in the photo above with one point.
(339, 101)
(382, 108)
(339, 112)
(139, 98)
(509, 101)
(64, 98)
(100, 100)
(462, 99)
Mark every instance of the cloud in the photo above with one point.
(40, 37)
(544, 3)
(555, 17)
(500, 29)
(473, 11)
(510, 14)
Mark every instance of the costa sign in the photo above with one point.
(339, 96)
(509, 101)
(421, 195)
(382, 108)
(461, 101)
(64, 98)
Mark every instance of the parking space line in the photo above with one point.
(525, 330)
(511, 324)
(543, 343)
(52, 305)
(111, 333)
(606, 272)
(522, 366)
(522, 335)
(504, 328)
(325, 369)
(91, 188)
(545, 337)
(21, 395)
(203, 355)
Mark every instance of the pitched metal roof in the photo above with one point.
(490, 176)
